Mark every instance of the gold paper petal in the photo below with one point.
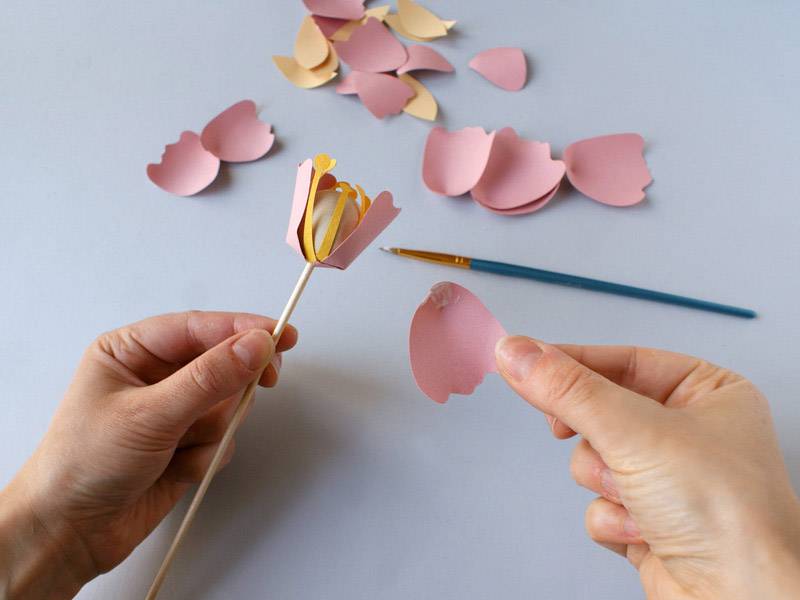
(423, 104)
(345, 31)
(310, 45)
(397, 25)
(308, 78)
(419, 21)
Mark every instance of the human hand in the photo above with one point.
(693, 488)
(138, 425)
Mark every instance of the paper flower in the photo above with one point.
(331, 223)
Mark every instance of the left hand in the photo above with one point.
(138, 425)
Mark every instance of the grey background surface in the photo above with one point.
(348, 482)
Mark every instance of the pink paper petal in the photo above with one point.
(519, 172)
(372, 48)
(185, 168)
(328, 25)
(237, 135)
(301, 186)
(424, 57)
(376, 219)
(504, 67)
(382, 94)
(454, 161)
(348, 84)
(338, 9)
(451, 342)
(609, 168)
(526, 208)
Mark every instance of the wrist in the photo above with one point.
(40, 556)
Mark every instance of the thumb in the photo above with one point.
(215, 375)
(610, 417)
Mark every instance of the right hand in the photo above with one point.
(693, 489)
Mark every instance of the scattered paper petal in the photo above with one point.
(419, 21)
(424, 57)
(328, 25)
(454, 161)
(451, 342)
(237, 134)
(372, 48)
(504, 67)
(185, 168)
(525, 208)
(609, 168)
(307, 78)
(397, 25)
(518, 172)
(348, 84)
(382, 94)
(338, 9)
(343, 34)
(310, 45)
(423, 104)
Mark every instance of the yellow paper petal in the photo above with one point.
(308, 78)
(449, 24)
(322, 164)
(345, 31)
(419, 21)
(310, 45)
(336, 218)
(397, 25)
(423, 105)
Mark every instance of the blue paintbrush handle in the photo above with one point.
(489, 266)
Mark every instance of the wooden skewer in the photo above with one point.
(241, 410)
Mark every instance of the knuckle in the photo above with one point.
(573, 384)
(206, 377)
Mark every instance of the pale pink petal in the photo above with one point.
(376, 219)
(237, 135)
(347, 85)
(519, 172)
(424, 57)
(526, 208)
(328, 25)
(301, 186)
(382, 94)
(451, 342)
(185, 168)
(609, 168)
(454, 161)
(372, 48)
(504, 67)
(338, 9)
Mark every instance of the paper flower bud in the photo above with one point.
(324, 209)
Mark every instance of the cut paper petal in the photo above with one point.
(454, 161)
(376, 219)
(307, 78)
(343, 34)
(397, 25)
(338, 9)
(328, 25)
(372, 48)
(310, 45)
(451, 342)
(518, 172)
(237, 135)
(185, 168)
(424, 57)
(526, 208)
(301, 186)
(504, 67)
(423, 104)
(609, 168)
(419, 21)
(382, 94)
(348, 84)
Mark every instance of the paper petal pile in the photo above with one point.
(327, 226)
(190, 165)
(509, 175)
(451, 342)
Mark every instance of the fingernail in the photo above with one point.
(630, 528)
(609, 485)
(517, 356)
(253, 348)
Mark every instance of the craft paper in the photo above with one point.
(504, 67)
(372, 48)
(609, 168)
(452, 341)
(374, 216)
(185, 168)
(308, 78)
(422, 105)
(338, 9)
(519, 172)
(343, 33)
(329, 26)
(424, 57)
(348, 84)
(397, 25)
(419, 21)
(310, 45)
(381, 93)
(454, 161)
(525, 208)
(237, 135)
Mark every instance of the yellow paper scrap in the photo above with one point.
(310, 45)
(308, 78)
(423, 104)
(345, 31)
(322, 164)
(419, 21)
(396, 24)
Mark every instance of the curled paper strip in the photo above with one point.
(451, 342)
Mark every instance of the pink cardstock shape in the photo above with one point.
(237, 134)
(525, 208)
(451, 342)
(329, 25)
(424, 57)
(347, 85)
(454, 161)
(372, 48)
(519, 172)
(381, 93)
(610, 168)
(186, 167)
(377, 218)
(504, 67)
(338, 9)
